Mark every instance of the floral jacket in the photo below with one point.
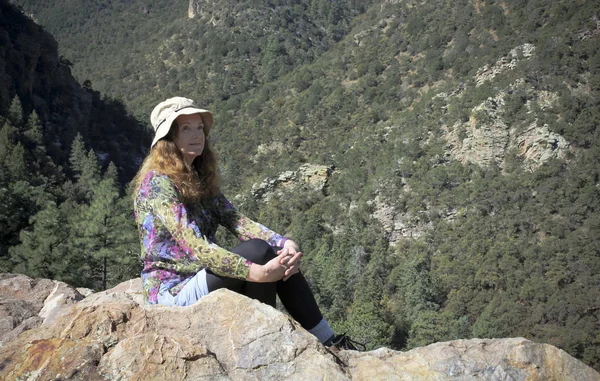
(177, 240)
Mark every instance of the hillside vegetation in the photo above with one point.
(64, 150)
(462, 135)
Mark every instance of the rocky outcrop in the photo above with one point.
(397, 225)
(26, 303)
(588, 33)
(475, 359)
(487, 138)
(508, 62)
(311, 177)
(111, 335)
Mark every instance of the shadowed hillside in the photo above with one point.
(65, 155)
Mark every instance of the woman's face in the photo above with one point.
(190, 136)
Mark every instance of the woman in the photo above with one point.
(178, 206)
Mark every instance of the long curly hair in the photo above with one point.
(196, 182)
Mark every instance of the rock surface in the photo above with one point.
(110, 335)
(509, 62)
(308, 176)
(25, 303)
(487, 138)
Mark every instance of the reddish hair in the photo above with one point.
(198, 181)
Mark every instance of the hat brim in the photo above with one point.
(165, 126)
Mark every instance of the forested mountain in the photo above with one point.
(461, 140)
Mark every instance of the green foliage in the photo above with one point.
(366, 320)
(44, 251)
(82, 233)
(15, 113)
(34, 131)
(104, 233)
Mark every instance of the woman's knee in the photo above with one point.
(255, 250)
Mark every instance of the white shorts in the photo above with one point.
(189, 294)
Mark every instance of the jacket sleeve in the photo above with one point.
(164, 199)
(243, 227)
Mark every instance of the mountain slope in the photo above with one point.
(464, 141)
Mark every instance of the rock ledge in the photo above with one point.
(111, 335)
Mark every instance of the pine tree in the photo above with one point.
(6, 141)
(90, 173)
(15, 164)
(15, 206)
(366, 316)
(272, 61)
(48, 174)
(86, 169)
(44, 250)
(34, 131)
(15, 113)
(78, 154)
(106, 234)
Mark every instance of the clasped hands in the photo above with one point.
(284, 265)
(290, 258)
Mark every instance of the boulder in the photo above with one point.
(474, 359)
(25, 303)
(111, 335)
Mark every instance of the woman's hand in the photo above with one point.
(272, 271)
(286, 264)
(290, 257)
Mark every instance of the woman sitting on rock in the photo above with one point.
(178, 206)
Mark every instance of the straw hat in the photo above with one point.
(166, 112)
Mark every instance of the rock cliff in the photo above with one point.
(311, 177)
(111, 335)
(490, 135)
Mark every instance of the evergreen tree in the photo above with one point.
(34, 130)
(44, 250)
(78, 155)
(49, 175)
(15, 113)
(272, 62)
(6, 141)
(86, 169)
(106, 237)
(366, 321)
(15, 164)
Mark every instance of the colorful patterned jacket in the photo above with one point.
(177, 240)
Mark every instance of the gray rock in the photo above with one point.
(475, 359)
(110, 335)
(311, 177)
(26, 303)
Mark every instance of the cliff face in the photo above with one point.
(503, 127)
(32, 70)
(112, 336)
(491, 134)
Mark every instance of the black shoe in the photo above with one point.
(339, 342)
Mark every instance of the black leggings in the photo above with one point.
(294, 293)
